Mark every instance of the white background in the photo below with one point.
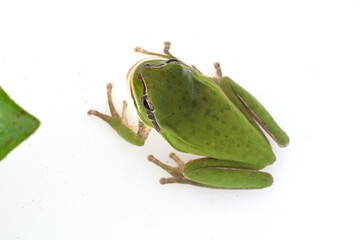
(75, 178)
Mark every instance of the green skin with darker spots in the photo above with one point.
(197, 116)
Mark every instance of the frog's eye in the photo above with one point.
(146, 101)
(172, 60)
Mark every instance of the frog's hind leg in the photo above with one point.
(253, 110)
(166, 54)
(250, 107)
(213, 173)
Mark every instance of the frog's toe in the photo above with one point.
(100, 115)
(177, 160)
(173, 180)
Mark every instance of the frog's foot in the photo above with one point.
(166, 54)
(117, 121)
(218, 75)
(176, 172)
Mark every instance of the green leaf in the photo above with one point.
(15, 124)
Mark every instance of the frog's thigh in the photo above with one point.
(220, 174)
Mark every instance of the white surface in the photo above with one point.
(76, 179)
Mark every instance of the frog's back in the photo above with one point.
(205, 122)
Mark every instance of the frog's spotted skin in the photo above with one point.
(211, 117)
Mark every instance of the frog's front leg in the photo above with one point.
(131, 133)
(214, 173)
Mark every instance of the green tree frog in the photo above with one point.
(208, 116)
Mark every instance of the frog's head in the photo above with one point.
(155, 87)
